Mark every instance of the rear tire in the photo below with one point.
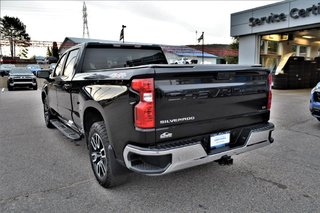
(35, 87)
(100, 159)
(47, 114)
(10, 88)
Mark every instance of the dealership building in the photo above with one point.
(269, 32)
(283, 37)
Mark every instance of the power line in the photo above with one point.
(33, 43)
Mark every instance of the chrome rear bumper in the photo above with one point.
(193, 155)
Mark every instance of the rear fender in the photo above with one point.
(98, 97)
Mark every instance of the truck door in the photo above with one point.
(64, 89)
(52, 87)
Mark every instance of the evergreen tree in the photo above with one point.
(235, 43)
(235, 46)
(55, 50)
(14, 30)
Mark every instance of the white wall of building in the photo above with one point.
(249, 49)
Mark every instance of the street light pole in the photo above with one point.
(122, 32)
(202, 47)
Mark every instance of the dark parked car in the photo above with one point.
(51, 59)
(21, 77)
(5, 69)
(315, 102)
(40, 60)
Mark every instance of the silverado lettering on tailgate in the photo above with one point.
(177, 120)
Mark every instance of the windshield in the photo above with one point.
(106, 58)
(20, 71)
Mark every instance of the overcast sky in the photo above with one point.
(162, 22)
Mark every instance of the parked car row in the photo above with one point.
(45, 60)
(23, 76)
(34, 68)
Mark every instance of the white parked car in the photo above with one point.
(5, 69)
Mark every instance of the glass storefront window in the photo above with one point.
(269, 57)
(303, 51)
(269, 47)
(273, 47)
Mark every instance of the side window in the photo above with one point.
(70, 63)
(59, 66)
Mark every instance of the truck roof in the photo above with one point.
(119, 44)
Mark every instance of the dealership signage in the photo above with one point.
(294, 13)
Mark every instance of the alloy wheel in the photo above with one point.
(98, 155)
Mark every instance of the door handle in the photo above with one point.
(67, 86)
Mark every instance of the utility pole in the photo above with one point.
(122, 33)
(196, 35)
(202, 47)
(199, 39)
(85, 21)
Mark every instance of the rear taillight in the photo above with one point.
(270, 92)
(144, 111)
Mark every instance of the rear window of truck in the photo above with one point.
(108, 58)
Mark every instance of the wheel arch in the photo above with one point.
(90, 116)
(43, 96)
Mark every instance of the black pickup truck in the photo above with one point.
(141, 114)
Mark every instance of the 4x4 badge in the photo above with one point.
(166, 135)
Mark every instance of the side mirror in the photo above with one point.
(44, 74)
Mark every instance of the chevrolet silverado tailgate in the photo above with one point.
(200, 99)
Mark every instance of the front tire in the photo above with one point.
(101, 161)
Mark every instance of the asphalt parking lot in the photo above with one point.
(42, 171)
